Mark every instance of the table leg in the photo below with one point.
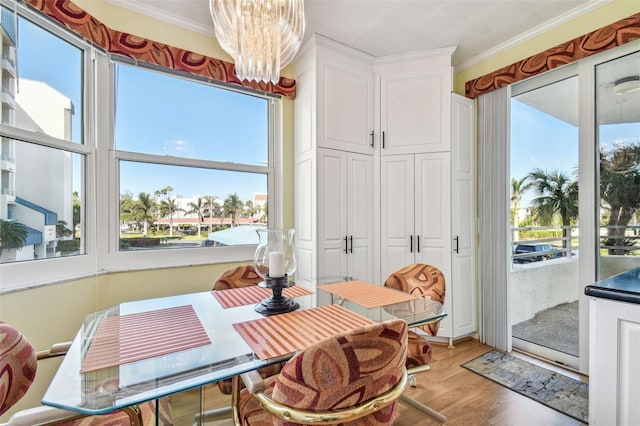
(436, 415)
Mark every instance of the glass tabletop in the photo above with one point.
(108, 389)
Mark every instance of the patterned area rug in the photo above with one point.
(552, 389)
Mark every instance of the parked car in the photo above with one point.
(547, 251)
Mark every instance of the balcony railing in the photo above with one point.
(616, 240)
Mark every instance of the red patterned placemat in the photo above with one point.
(132, 337)
(283, 334)
(367, 294)
(233, 297)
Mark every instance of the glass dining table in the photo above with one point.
(104, 388)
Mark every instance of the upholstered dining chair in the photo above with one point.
(354, 378)
(18, 367)
(238, 277)
(424, 281)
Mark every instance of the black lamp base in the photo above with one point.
(276, 304)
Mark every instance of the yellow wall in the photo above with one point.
(53, 313)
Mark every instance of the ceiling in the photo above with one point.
(380, 28)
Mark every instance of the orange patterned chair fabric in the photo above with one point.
(337, 373)
(238, 277)
(18, 365)
(424, 281)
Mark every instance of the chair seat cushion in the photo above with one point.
(418, 350)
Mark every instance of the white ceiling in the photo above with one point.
(379, 28)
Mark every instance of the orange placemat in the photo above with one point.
(132, 337)
(233, 297)
(367, 294)
(283, 334)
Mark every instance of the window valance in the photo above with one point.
(141, 49)
(614, 35)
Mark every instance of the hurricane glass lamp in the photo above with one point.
(275, 261)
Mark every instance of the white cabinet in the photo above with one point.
(614, 371)
(415, 217)
(335, 201)
(463, 217)
(345, 219)
(414, 109)
(415, 211)
(365, 210)
(427, 215)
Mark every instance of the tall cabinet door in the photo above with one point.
(397, 179)
(360, 216)
(433, 220)
(463, 216)
(332, 212)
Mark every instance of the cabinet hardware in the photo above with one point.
(382, 140)
(351, 244)
(372, 138)
(418, 243)
(457, 240)
(346, 248)
(411, 244)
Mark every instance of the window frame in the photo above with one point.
(100, 208)
(25, 274)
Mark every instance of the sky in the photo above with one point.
(539, 140)
(161, 115)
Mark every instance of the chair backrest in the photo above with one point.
(18, 365)
(346, 370)
(240, 276)
(420, 280)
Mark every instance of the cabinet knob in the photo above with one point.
(372, 138)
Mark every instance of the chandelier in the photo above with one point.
(262, 36)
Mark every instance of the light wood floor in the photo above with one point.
(464, 397)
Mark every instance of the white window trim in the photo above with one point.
(101, 214)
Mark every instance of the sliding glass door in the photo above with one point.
(575, 197)
(545, 241)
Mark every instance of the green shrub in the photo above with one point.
(68, 246)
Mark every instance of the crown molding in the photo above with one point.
(164, 16)
(534, 32)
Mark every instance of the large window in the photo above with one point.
(106, 165)
(199, 175)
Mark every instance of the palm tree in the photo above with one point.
(518, 187)
(233, 206)
(168, 208)
(250, 209)
(619, 190)
(558, 194)
(12, 234)
(198, 208)
(144, 208)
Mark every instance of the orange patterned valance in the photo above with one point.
(614, 35)
(140, 49)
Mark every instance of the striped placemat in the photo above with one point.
(283, 334)
(132, 337)
(366, 294)
(233, 297)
